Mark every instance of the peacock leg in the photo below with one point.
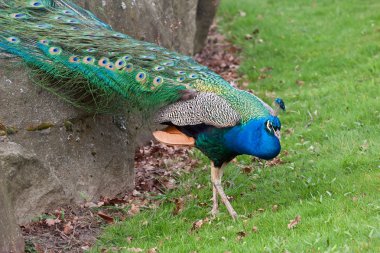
(216, 178)
(214, 172)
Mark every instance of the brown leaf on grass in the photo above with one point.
(68, 228)
(52, 222)
(274, 208)
(129, 239)
(115, 201)
(294, 222)
(197, 225)
(169, 184)
(274, 162)
(255, 229)
(246, 170)
(135, 250)
(179, 206)
(135, 209)
(248, 37)
(105, 217)
(38, 248)
(300, 82)
(265, 69)
(152, 250)
(241, 235)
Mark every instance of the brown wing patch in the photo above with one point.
(172, 136)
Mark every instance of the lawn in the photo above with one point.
(323, 59)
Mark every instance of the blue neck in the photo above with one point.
(252, 139)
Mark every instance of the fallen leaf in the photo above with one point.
(68, 228)
(294, 222)
(300, 82)
(135, 250)
(85, 248)
(241, 235)
(274, 208)
(170, 184)
(105, 217)
(242, 13)
(90, 205)
(255, 229)
(179, 206)
(152, 250)
(51, 222)
(274, 162)
(247, 170)
(129, 239)
(197, 225)
(39, 248)
(248, 37)
(135, 209)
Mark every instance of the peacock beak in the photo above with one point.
(277, 134)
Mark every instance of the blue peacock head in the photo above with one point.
(258, 137)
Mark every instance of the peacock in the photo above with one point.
(73, 54)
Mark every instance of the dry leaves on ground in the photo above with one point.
(293, 223)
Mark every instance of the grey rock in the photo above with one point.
(179, 25)
(80, 158)
(11, 240)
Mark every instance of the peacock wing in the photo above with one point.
(205, 108)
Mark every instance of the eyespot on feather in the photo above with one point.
(181, 79)
(74, 59)
(14, 40)
(90, 50)
(68, 12)
(120, 63)
(44, 41)
(103, 61)
(181, 72)
(36, 4)
(110, 66)
(55, 51)
(141, 77)
(88, 60)
(159, 68)
(126, 57)
(118, 35)
(158, 80)
(193, 76)
(129, 67)
(18, 15)
(168, 63)
(43, 26)
(72, 21)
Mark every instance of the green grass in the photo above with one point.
(331, 132)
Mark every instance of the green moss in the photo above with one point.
(42, 126)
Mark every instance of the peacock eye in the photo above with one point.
(269, 126)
